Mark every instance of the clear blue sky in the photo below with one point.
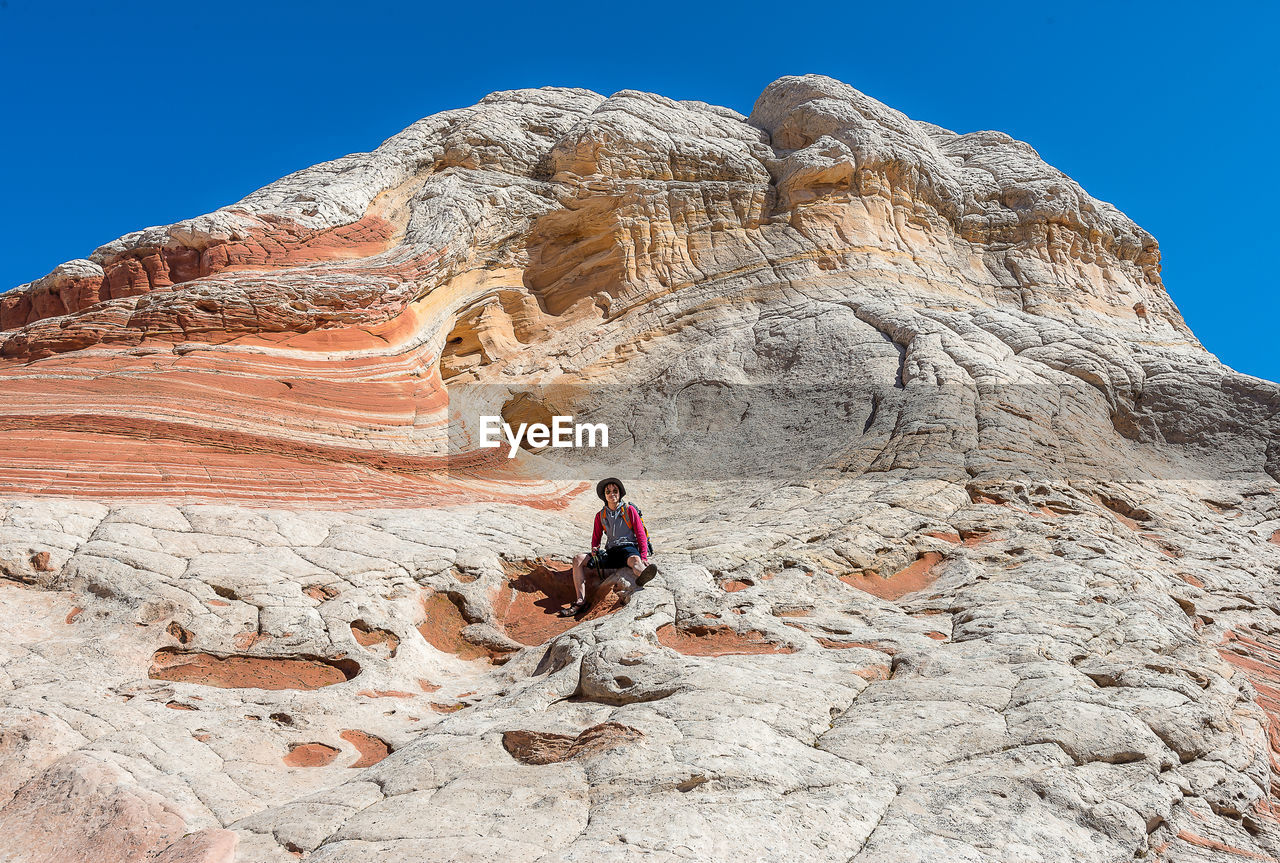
(121, 115)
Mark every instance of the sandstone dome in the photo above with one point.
(969, 548)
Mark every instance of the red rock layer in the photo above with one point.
(1222, 847)
(308, 384)
(309, 421)
(144, 269)
(1258, 656)
(276, 306)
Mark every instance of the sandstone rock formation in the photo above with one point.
(969, 549)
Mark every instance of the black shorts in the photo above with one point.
(613, 558)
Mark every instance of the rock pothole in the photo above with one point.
(321, 592)
(966, 538)
(526, 604)
(915, 576)
(372, 749)
(250, 672)
(1123, 511)
(524, 607)
(699, 640)
(311, 755)
(380, 640)
(540, 747)
(442, 627)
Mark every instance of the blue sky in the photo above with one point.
(127, 114)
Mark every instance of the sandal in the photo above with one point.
(647, 575)
(572, 610)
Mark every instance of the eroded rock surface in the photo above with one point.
(968, 547)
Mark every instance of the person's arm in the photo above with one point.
(642, 536)
(595, 532)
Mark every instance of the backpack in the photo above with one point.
(626, 516)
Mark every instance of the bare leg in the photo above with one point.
(580, 578)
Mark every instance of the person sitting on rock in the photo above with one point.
(627, 544)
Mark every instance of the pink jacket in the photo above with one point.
(632, 515)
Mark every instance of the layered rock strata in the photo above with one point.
(968, 547)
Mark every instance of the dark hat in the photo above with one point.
(622, 489)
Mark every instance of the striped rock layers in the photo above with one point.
(968, 546)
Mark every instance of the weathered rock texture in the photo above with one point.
(968, 547)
